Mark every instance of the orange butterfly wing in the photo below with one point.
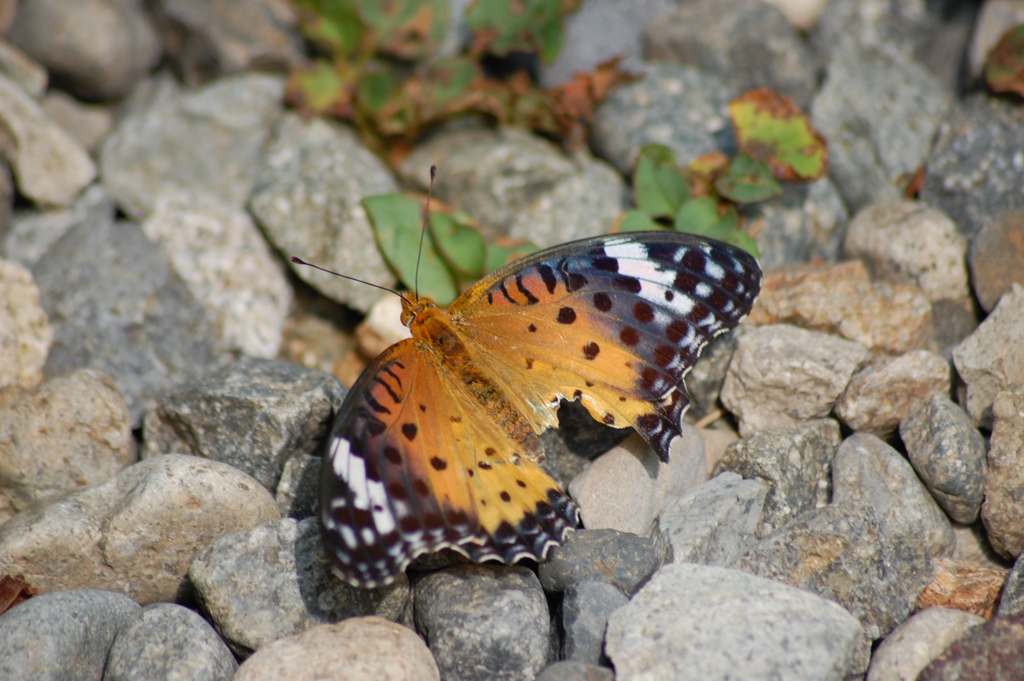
(436, 445)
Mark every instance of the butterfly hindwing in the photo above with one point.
(414, 466)
(615, 321)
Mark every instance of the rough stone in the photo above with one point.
(221, 256)
(991, 359)
(99, 48)
(586, 607)
(621, 559)
(298, 491)
(575, 671)
(948, 453)
(358, 649)
(879, 396)
(50, 167)
(484, 622)
(905, 241)
(25, 332)
(964, 585)
(989, 651)
(1002, 511)
(794, 462)
(74, 432)
(136, 533)
(273, 580)
(974, 171)
(783, 375)
(997, 257)
(31, 233)
(307, 200)
(168, 641)
(840, 552)
(868, 470)
(714, 523)
(211, 139)
(841, 299)
(254, 414)
(88, 124)
(626, 488)
(918, 641)
(62, 635)
(712, 623)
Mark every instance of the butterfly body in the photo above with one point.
(437, 444)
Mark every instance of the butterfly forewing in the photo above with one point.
(614, 321)
(437, 444)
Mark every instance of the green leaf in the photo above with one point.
(407, 29)
(744, 241)
(447, 83)
(770, 127)
(659, 153)
(503, 26)
(659, 189)
(334, 24)
(747, 181)
(397, 224)
(700, 216)
(1004, 68)
(461, 245)
(320, 88)
(500, 254)
(636, 221)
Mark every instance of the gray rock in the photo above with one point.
(72, 433)
(89, 124)
(63, 635)
(879, 396)
(879, 113)
(116, 305)
(254, 414)
(794, 462)
(621, 559)
(897, 25)
(357, 649)
(1011, 601)
(841, 553)
(627, 487)
(678, 106)
(948, 452)
(575, 671)
(99, 48)
(586, 607)
(705, 379)
(991, 359)
(307, 201)
(807, 221)
(221, 38)
(50, 167)
(712, 623)
(25, 332)
(918, 641)
(868, 470)
(298, 491)
(31, 233)
(974, 173)
(274, 580)
(996, 257)
(745, 42)
(600, 30)
(167, 641)
(19, 67)
(1002, 512)
(484, 622)
(987, 651)
(136, 533)
(516, 183)
(716, 522)
(211, 139)
(221, 256)
(782, 375)
(910, 242)
(585, 203)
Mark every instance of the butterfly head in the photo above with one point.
(414, 307)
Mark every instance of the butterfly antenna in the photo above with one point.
(300, 261)
(423, 232)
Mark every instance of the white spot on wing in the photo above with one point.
(714, 270)
(702, 290)
(626, 250)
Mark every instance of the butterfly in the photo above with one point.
(437, 444)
